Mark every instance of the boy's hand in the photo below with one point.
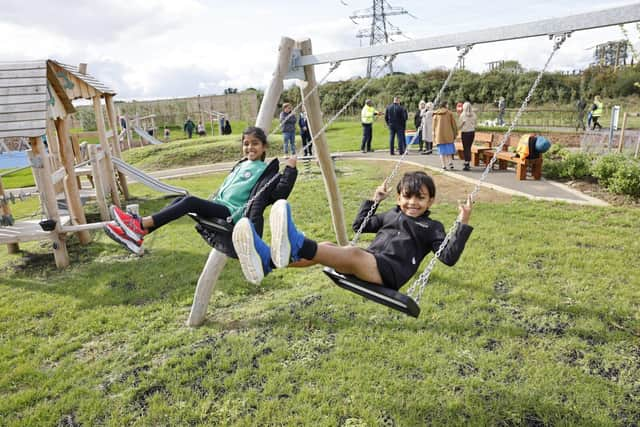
(465, 210)
(381, 193)
(291, 161)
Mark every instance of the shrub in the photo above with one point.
(606, 166)
(560, 163)
(626, 180)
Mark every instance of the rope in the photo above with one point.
(464, 50)
(420, 283)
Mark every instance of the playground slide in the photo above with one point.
(145, 135)
(147, 180)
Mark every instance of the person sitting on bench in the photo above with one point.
(404, 236)
(251, 181)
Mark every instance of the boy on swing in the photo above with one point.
(404, 236)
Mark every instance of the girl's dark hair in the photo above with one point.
(411, 183)
(258, 133)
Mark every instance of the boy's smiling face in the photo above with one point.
(252, 147)
(415, 205)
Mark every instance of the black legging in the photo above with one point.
(595, 122)
(189, 204)
(467, 142)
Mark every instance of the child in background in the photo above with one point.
(404, 236)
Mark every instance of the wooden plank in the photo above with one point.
(23, 90)
(24, 132)
(33, 124)
(19, 108)
(26, 116)
(19, 73)
(30, 81)
(23, 99)
(24, 65)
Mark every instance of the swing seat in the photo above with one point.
(217, 233)
(376, 293)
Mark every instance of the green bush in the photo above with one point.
(561, 163)
(606, 166)
(626, 179)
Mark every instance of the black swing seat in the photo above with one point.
(217, 233)
(376, 293)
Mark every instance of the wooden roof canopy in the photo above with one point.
(33, 91)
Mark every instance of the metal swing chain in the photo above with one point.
(349, 102)
(420, 283)
(396, 168)
(230, 218)
(320, 132)
(334, 65)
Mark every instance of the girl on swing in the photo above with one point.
(404, 236)
(250, 181)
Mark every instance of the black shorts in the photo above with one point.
(387, 271)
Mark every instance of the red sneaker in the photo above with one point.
(117, 234)
(130, 224)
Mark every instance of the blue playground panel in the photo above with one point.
(13, 159)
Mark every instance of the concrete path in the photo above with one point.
(500, 180)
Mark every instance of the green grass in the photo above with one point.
(538, 324)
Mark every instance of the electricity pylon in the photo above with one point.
(380, 30)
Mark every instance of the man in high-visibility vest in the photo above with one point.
(596, 112)
(368, 115)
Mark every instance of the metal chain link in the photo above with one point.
(334, 65)
(320, 132)
(420, 283)
(396, 168)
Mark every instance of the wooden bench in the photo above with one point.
(522, 165)
(482, 142)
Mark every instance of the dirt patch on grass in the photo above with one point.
(591, 188)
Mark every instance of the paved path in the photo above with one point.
(500, 180)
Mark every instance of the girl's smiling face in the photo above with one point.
(252, 147)
(415, 205)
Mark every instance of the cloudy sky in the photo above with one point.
(146, 49)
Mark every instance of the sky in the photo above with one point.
(151, 49)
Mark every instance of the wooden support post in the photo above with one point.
(206, 284)
(96, 170)
(111, 114)
(314, 113)
(127, 131)
(102, 135)
(42, 174)
(76, 211)
(53, 143)
(621, 140)
(5, 210)
(274, 90)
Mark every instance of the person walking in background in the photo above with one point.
(395, 116)
(288, 126)
(502, 107)
(596, 112)
(581, 105)
(445, 129)
(468, 121)
(427, 128)
(305, 133)
(167, 134)
(200, 129)
(367, 116)
(188, 127)
(417, 121)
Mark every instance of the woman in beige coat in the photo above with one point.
(445, 129)
(467, 132)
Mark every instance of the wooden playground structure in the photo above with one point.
(35, 102)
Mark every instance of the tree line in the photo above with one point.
(480, 88)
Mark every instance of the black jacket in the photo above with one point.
(403, 241)
(279, 188)
(396, 116)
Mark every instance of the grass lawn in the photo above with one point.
(538, 324)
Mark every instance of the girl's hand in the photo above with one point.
(291, 161)
(465, 210)
(380, 194)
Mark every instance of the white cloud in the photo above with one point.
(159, 48)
